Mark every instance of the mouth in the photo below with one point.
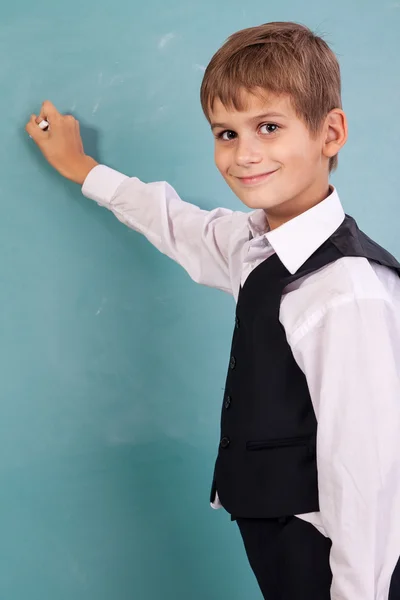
(255, 179)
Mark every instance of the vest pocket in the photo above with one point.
(304, 440)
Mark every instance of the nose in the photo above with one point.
(248, 152)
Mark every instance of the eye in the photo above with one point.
(264, 128)
(226, 135)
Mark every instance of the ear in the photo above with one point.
(335, 132)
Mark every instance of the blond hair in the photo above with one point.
(281, 58)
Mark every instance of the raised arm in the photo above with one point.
(197, 239)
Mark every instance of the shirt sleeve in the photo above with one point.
(350, 358)
(196, 239)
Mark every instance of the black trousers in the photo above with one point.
(290, 559)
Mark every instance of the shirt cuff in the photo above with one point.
(101, 184)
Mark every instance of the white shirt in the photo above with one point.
(342, 323)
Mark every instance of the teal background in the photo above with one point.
(112, 360)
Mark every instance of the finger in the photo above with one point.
(31, 125)
(33, 130)
(48, 111)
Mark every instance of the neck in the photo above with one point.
(295, 206)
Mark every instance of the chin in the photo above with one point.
(257, 199)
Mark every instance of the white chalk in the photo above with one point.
(43, 125)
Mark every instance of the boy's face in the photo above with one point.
(268, 158)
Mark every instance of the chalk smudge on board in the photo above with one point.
(102, 305)
(166, 39)
(95, 108)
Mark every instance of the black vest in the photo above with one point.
(266, 464)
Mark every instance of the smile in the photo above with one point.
(255, 179)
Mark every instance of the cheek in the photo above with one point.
(221, 160)
(298, 154)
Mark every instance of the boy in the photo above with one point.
(317, 328)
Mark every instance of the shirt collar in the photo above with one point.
(296, 240)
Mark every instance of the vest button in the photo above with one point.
(228, 401)
(225, 442)
(237, 322)
(232, 362)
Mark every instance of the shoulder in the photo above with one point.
(349, 280)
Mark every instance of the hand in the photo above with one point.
(61, 144)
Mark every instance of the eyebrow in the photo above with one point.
(256, 118)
